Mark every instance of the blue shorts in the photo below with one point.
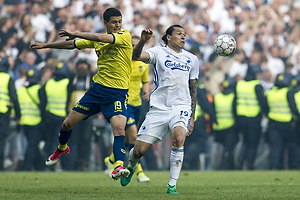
(133, 115)
(99, 98)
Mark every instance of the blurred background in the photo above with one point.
(267, 33)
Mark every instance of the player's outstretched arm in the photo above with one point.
(54, 45)
(138, 53)
(98, 37)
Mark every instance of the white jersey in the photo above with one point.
(172, 72)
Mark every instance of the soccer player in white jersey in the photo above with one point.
(172, 101)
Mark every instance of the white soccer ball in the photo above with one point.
(224, 45)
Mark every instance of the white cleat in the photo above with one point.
(141, 177)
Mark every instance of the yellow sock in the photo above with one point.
(62, 147)
(138, 168)
(118, 163)
(112, 158)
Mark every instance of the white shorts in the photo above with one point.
(160, 122)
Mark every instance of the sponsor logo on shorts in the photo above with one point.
(77, 105)
(130, 120)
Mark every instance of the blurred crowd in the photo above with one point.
(266, 31)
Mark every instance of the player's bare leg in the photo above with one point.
(118, 127)
(71, 120)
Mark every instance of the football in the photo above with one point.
(224, 45)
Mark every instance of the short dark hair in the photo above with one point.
(110, 12)
(169, 31)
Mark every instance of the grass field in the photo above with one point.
(191, 185)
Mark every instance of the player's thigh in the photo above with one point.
(88, 105)
(133, 115)
(179, 125)
(113, 102)
(155, 125)
(180, 117)
(130, 134)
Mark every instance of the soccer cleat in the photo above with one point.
(125, 181)
(171, 189)
(141, 177)
(55, 156)
(110, 167)
(120, 172)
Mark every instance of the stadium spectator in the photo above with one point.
(275, 64)
(8, 100)
(238, 67)
(250, 104)
(41, 24)
(281, 135)
(55, 97)
(22, 77)
(224, 130)
(29, 98)
(267, 81)
(27, 63)
(9, 44)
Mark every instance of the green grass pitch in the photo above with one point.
(191, 185)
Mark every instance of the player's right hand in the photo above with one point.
(36, 46)
(146, 34)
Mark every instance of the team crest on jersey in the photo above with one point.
(176, 65)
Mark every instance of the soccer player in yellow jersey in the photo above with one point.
(109, 90)
(139, 75)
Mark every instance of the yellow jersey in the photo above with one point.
(114, 60)
(139, 75)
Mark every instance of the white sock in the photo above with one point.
(176, 159)
(132, 160)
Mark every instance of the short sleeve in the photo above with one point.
(145, 77)
(153, 52)
(83, 44)
(122, 38)
(194, 74)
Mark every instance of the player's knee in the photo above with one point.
(137, 153)
(132, 139)
(178, 142)
(118, 131)
(66, 125)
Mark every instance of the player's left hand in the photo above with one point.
(146, 95)
(65, 33)
(191, 127)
